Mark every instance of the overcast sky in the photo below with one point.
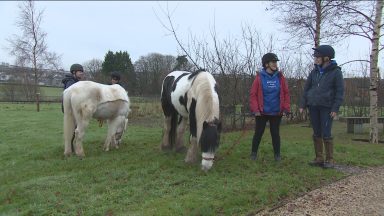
(81, 31)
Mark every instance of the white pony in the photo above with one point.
(85, 100)
(192, 96)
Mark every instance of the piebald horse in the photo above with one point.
(192, 96)
(85, 100)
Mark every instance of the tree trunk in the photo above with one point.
(374, 133)
(318, 22)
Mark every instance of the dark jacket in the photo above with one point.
(325, 89)
(69, 80)
(256, 100)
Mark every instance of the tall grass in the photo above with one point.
(139, 179)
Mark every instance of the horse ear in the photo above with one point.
(205, 125)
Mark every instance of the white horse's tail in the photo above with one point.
(69, 123)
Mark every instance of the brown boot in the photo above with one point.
(318, 145)
(328, 143)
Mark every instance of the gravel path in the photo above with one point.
(359, 194)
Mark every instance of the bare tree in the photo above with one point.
(93, 69)
(366, 21)
(31, 48)
(309, 22)
(151, 70)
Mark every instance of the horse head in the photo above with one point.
(209, 141)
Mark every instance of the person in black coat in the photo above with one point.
(323, 95)
(77, 74)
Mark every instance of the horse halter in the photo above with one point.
(214, 123)
(208, 159)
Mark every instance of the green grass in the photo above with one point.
(51, 91)
(139, 179)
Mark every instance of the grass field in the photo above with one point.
(139, 179)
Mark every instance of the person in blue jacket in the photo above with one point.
(269, 99)
(323, 95)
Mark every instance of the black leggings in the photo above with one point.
(274, 128)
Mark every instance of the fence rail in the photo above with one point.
(31, 100)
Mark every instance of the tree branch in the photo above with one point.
(359, 60)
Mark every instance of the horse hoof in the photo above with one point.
(190, 161)
(181, 149)
(166, 148)
(67, 154)
(81, 154)
(205, 169)
(206, 165)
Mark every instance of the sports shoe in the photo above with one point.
(277, 158)
(253, 156)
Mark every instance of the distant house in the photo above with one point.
(15, 74)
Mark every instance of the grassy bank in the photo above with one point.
(139, 179)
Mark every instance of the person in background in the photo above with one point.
(269, 100)
(77, 74)
(323, 95)
(115, 78)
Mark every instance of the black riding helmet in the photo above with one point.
(76, 67)
(115, 75)
(268, 58)
(324, 51)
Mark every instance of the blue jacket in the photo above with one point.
(324, 89)
(271, 92)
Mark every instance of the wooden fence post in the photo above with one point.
(38, 101)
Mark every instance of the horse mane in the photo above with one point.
(207, 97)
(194, 74)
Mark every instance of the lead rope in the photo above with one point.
(235, 143)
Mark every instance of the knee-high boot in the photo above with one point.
(328, 143)
(318, 146)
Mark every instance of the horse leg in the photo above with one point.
(121, 128)
(120, 132)
(79, 135)
(82, 119)
(192, 151)
(111, 140)
(69, 129)
(165, 145)
(180, 135)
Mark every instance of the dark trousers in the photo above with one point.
(274, 128)
(321, 121)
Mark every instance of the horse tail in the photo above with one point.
(69, 120)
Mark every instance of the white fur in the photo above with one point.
(85, 100)
(183, 85)
(207, 164)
